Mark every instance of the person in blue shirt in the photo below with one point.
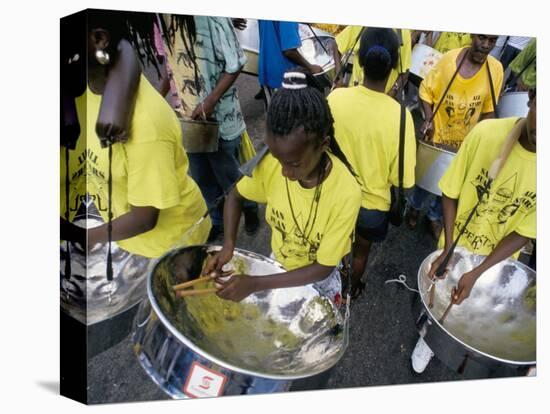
(279, 43)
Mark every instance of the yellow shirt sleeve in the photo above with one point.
(152, 180)
(405, 51)
(254, 188)
(528, 226)
(430, 85)
(337, 241)
(497, 74)
(346, 38)
(452, 181)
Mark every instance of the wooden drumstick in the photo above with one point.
(446, 312)
(196, 292)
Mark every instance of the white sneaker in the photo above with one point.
(421, 356)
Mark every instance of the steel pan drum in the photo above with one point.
(431, 164)
(87, 295)
(513, 104)
(497, 323)
(105, 309)
(424, 58)
(249, 39)
(257, 345)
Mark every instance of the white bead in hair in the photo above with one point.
(294, 86)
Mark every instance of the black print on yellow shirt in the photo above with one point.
(460, 113)
(87, 162)
(490, 222)
(87, 200)
(87, 165)
(294, 244)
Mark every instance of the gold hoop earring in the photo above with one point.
(102, 57)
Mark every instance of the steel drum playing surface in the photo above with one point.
(499, 317)
(283, 332)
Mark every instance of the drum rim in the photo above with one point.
(433, 147)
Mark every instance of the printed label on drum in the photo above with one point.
(204, 382)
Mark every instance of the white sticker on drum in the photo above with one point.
(203, 382)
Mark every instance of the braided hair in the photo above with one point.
(300, 103)
(378, 52)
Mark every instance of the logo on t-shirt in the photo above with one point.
(491, 221)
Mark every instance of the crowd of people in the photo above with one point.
(337, 163)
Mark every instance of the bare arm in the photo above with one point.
(117, 102)
(504, 249)
(297, 58)
(450, 206)
(137, 221)
(231, 217)
(239, 287)
(427, 130)
(209, 103)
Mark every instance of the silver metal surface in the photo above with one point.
(281, 334)
(513, 104)
(199, 136)
(498, 320)
(87, 295)
(431, 164)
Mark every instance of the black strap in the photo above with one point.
(68, 255)
(317, 38)
(344, 64)
(401, 127)
(448, 86)
(110, 213)
(493, 97)
(401, 147)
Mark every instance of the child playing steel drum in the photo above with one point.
(505, 219)
(311, 194)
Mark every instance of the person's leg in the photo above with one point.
(201, 172)
(422, 353)
(361, 250)
(421, 356)
(225, 166)
(416, 203)
(372, 227)
(435, 217)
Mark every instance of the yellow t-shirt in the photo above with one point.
(327, 238)
(148, 170)
(345, 40)
(452, 40)
(512, 202)
(465, 101)
(366, 125)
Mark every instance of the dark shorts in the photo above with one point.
(372, 224)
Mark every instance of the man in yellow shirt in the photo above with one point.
(312, 197)
(347, 41)
(367, 126)
(467, 101)
(505, 220)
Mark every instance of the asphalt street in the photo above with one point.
(382, 334)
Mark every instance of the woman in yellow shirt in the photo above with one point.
(367, 127)
(312, 196)
(153, 199)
